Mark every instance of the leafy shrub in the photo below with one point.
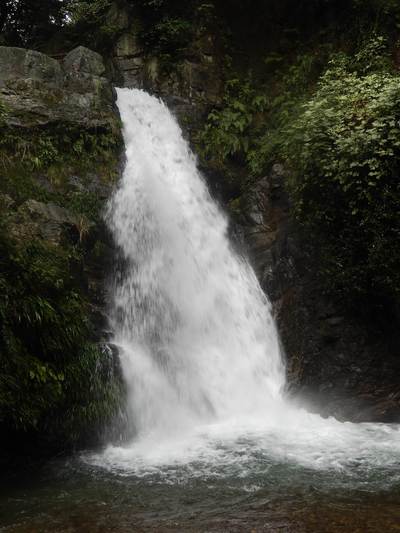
(2, 112)
(168, 37)
(249, 125)
(228, 131)
(38, 148)
(344, 149)
(46, 355)
(84, 10)
(292, 87)
(89, 23)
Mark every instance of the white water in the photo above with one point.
(198, 345)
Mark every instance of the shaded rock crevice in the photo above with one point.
(337, 364)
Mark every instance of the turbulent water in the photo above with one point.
(198, 344)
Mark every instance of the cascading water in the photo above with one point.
(195, 330)
(198, 345)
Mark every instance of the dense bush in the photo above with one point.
(58, 387)
(344, 151)
(168, 38)
(29, 22)
(52, 377)
(247, 128)
(337, 128)
(229, 129)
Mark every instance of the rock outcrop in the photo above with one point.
(37, 90)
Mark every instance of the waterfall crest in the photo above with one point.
(195, 331)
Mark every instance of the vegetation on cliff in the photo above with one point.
(50, 234)
(59, 383)
(54, 382)
(344, 149)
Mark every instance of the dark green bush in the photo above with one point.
(52, 378)
(230, 128)
(169, 37)
(344, 150)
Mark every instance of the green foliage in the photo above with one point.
(384, 14)
(168, 38)
(292, 86)
(248, 126)
(89, 23)
(53, 155)
(51, 376)
(93, 395)
(84, 203)
(41, 319)
(228, 129)
(372, 56)
(344, 149)
(340, 135)
(84, 10)
(47, 358)
(30, 23)
(2, 112)
(38, 149)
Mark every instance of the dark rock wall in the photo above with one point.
(336, 365)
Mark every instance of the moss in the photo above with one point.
(62, 146)
(38, 163)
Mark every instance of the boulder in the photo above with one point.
(83, 60)
(49, 221)
(18, 63)
(38, 91)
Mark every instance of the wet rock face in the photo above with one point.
(190, 84)
(37, 90)
(336, 364)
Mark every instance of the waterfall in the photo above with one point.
(194, 328)
(198, 345)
